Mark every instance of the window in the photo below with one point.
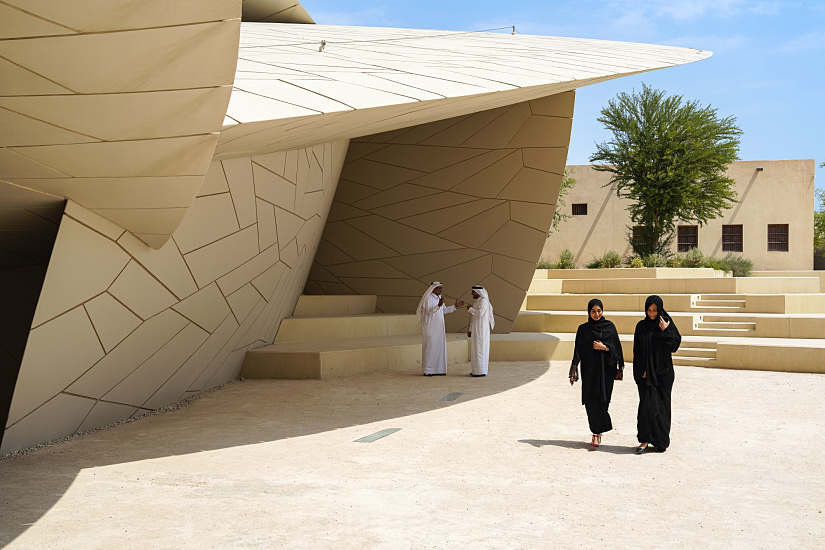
(731, 238)
(778, 237)
(638, 234)
(687, 237)
(580, 209)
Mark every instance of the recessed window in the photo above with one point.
(731, 238)
(778, 237)
(638, 235)
(580, 209)
(687, 237)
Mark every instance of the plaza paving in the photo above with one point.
(273, 464)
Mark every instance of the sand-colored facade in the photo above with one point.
(770, 192)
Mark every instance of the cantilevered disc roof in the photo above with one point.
(288, 93)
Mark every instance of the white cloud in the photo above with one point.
(805, 43)
(679, 10)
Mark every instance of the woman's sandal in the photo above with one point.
(641, 448)
(595, 441)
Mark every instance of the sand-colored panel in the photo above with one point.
(558, 105)
(445, 216)
(138, 192)
(340, 211)
(370, 268)
(356, 244)
(378, 175)
(181, 156)
(243, 301)
(83, 264)
(166, 264)
(490, 181)
(268, 281)
(207, 308)
(274, 162)
(289, 254)
(56, 354)
(25, 131)
(537, 216)
(516, 272)
(315, 306)
(273, 188)
(151, 221)
(421, 157)
(533, 185)
(127, 116)
(221, 257)
(419, 265)
(500, 131)
(16, 80)
(477, 230)
(192, 56)
(383, 287)
(141, 292)
(516, 240)
(318, 273)
(139, 346)
(123, 14)
(458, 279)
(93, 220)
(215, 180)
(105, 413)
(267, 229)
(242, 187)
(543, 132)
(247, 271)
(61, 416)
(406, 240)
(428, 204)
(549, 159)
(462, 130)
(136, 388)
(352, 192)
(399, 195)
(288, 225)
(15, 23)
(14, 165)
(112, 320)
(329, 254)
(209, 219)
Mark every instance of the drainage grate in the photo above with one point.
(377, 435)
(451, 396)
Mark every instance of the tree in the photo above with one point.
(669, 158)
(567, 183)
(819, 219)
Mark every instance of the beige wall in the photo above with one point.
(121, 328)
(781, 193)
(464, 201)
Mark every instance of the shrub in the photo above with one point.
(713, 263)
(675, 261)
(693, 258)
(655, 260)
(738, 265)
(636, 262)
(611, 259)
(545, 264)
(596, 263)
(566, 260)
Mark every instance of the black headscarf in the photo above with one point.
(594, 363)
(653, 344)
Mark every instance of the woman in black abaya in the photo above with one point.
(599, 352)
(656, 338)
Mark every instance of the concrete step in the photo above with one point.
(721, 303)
(696, 352)
(326, 305)
(545, 286)
(722, 332)
(324, 359)
(694, 361)
(704, 325)
(302, 329)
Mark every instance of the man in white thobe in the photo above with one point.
(481, 323)
(431, 311)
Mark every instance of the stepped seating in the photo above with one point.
(333, 336)
(768, 323)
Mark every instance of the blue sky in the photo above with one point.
(767, 68)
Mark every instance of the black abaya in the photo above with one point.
(654, 375)
(598, 368)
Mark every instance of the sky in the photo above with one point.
(767, 68)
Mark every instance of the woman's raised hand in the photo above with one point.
(662, 323)
(599, 346)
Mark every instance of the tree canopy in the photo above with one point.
(669, 158)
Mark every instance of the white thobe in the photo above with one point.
(434, 344)
(480, 338)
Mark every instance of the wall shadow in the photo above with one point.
(579, 445)
(242, 413)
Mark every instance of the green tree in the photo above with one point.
(669, 158)
(819, 218)
(567, 183)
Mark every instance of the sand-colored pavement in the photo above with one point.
(273, 464)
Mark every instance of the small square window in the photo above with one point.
(580, 209)
(731, 238)
(687, 237)
(778, 237)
